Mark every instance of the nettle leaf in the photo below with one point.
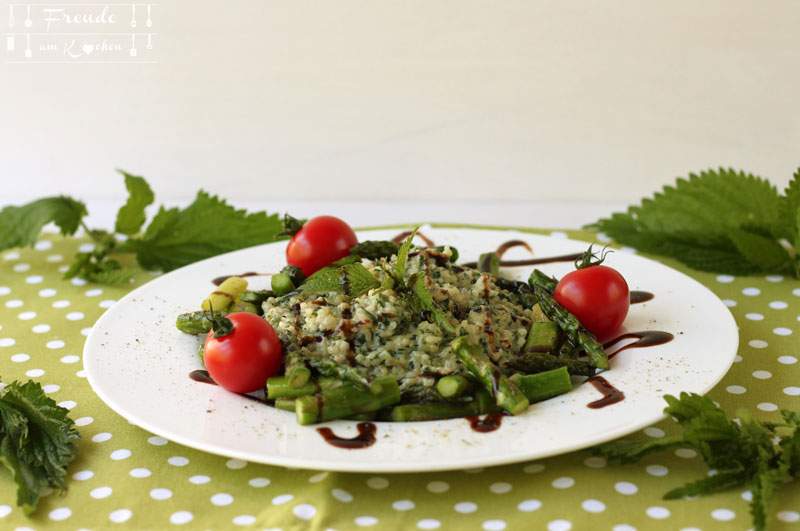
(207, 227)
(131, 216)
(724, 479)
(790, 211)
(399, 269)
(21, 225)
(763, 251)
(352, 279)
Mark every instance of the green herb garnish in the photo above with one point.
(174, 238)
(36, 441)
(719, 221)
(742, 451)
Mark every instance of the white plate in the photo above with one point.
(139, 364)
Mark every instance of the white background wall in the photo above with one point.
(366, 99)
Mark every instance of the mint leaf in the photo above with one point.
(720, 221)
(36, 441)
(422, 300)
(399, 269)
(207, 227)
(131, 217)
(21, 225)
(351, 279)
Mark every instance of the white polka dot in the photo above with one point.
(120, 515)
(26, 316)
(52, 388)
(736, 389)
(751, 292)
(70, 359)
(84, 421)
(657, 470)
(500, 487)
(62, 513)
(119, 455)
(594, 462)
(729, 303)
(494, 525)
(259, 482)
(403, 505)
(626, 487)
(723, 515)
(14, 303)
(108, 303)
(747, 495)
(659, 513)
(316, 478)
(101, 492)
(47, 292)
(86, 331)
(5, 290)
(593, 506)
(20, 358)
(791, 391)
(563, 483)
(533, 469)
(762, 375)
(94, 292)
(788, 516)
(283, 498)
(21, 268)
(244, 519)
(528, 506)
(140, 473)
(787, 360)
(5, 510)
(377, 483)
(365, 521)
(221, 499)
(86, 247)
(767, 406)
(623, 527)
(61, 304)
(781, 331)
(75, 316)
(54, 258)
(161, 494)
(11, 256)
(465, 507)
(603, 237)
(774, 278)
(737, 359)
(304, 511)
(83, 475)
(101, 437)
(178, 461)
(43, 245)
(778, 305)
(181, 517)
(34, 279)
(725, 279)
(342, 495)
(235, 464)
(654, 432)
(686, 453)
(754, 316)
(796, 291)
(55, 344)
(438, 487)
(34, 373)
(157, 441)
(559, 525)
(428, 523)
(41, 329)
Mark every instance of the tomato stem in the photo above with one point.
(291, 226)
(220, 325)
(588, 258)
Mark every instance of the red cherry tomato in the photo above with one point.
(320, 242)
(598, 296)
(242, 361)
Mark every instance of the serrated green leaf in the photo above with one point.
(399, 269)
(790, 211)
(351, 279)
(762, 251)
(207, 227)
(422, 300)
(711, 426)
(723, 480)
(689, 406)
(21, 225)
(131, 216)
(628, 452)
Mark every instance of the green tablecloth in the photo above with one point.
(126, 478)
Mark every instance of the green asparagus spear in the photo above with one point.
(295, 274)
(255, 297)
(572, 327)
(197, 322)
(295, 367)
(328, 367)
(489, 263)
(547, 283)
(542, 337)
(285, 403)
(452, 385)
(282, 284)
(531, 363)
(434, 411)
(544, 385)
(506, 394)
(372, 249)
(280, 387)
(346, 400)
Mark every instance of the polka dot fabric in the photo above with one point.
(126, 478)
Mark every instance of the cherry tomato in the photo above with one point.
(242, 360)
(598, 296)
(320, 242)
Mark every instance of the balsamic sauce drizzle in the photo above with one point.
(488, 423)
(646, 338)
(611, 395)
(640, 296)
(365, 437)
